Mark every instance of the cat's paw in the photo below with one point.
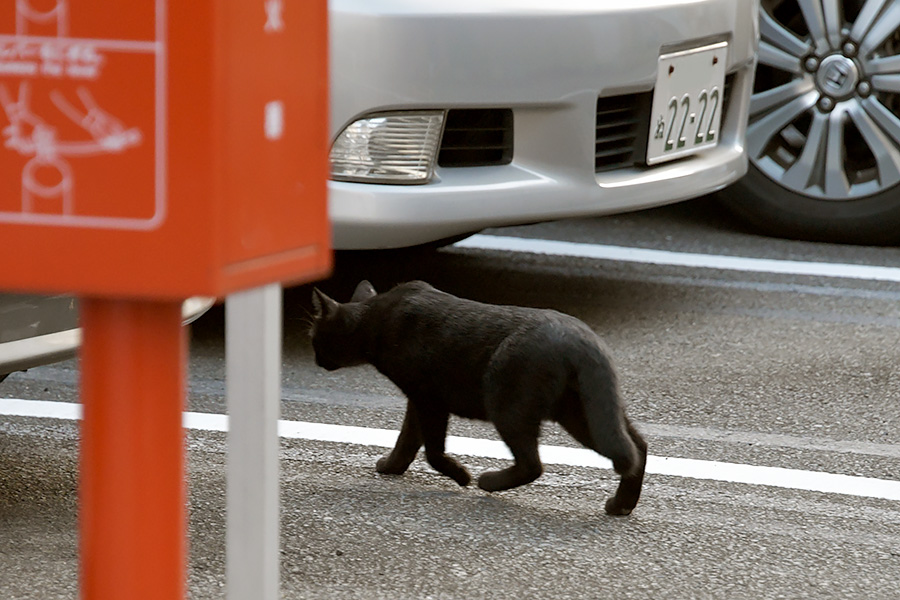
(615, 509)
(386, 467)
(449, 466)
(492, 481)
(462, 477)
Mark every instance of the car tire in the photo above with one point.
(824, 132)
(770, 208)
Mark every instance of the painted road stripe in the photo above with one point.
(795, 479)
(680, 259)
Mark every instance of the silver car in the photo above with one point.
(824, 133)
(38, 330)
(451, 116)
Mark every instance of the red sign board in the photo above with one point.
(162, 148)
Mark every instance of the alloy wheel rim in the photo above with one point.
(825, 111)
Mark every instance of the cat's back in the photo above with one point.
(412, 297)
(425, 339)
(417, 309)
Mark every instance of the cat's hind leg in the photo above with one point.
(629, 466)
(632, 472)
(519, 385)
(522, 440)
(434, 432)
(408, 443)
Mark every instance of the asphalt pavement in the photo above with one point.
(752, 388)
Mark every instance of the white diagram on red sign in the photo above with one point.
(57, 17)
(274, 18)
(29, 135)
(76, 111)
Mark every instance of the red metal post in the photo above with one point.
(133, 520)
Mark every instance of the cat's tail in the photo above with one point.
(612, 434)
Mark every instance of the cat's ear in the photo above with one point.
(324, 306)
(364, 291)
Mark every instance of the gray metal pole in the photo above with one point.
(253, 390)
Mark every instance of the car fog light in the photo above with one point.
(388, 148)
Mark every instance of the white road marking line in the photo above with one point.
(40, 408)
(680, 259)
(770, 440)
(795, 479)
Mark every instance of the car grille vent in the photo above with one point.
(726, 94)
(622, 123)
(477, 138)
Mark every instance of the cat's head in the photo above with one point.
(335, 327)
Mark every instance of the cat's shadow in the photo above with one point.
(522, 513)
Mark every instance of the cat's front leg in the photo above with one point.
(408, 443)
(434, 432)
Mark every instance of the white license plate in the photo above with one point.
(687, 102)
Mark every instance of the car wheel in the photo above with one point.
(824, 131)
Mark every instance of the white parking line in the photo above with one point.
(680, 259)
(795, 479)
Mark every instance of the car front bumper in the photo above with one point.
(549, 63)
(39, 330)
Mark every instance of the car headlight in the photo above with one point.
(388, 148)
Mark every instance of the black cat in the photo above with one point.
(513, 366)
